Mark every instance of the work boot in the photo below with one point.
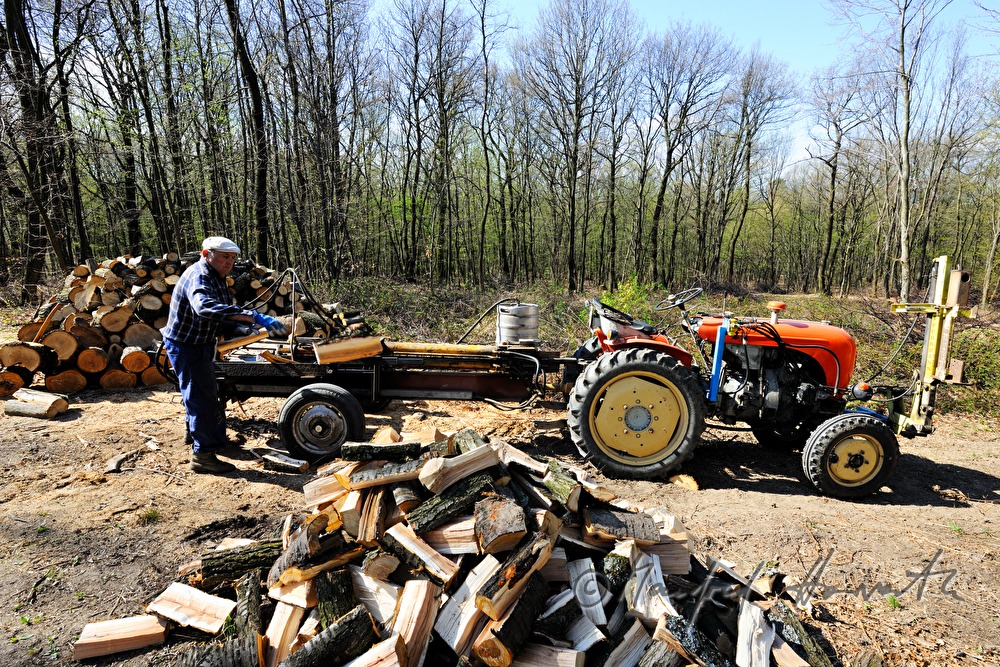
(208, 462)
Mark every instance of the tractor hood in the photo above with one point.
(833, 348)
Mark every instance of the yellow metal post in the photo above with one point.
(948, 303)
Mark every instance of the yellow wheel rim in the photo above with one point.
(855, 460)
(638, 419)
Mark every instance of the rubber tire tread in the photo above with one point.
(615, 363)
(337, 398)
(828, 434)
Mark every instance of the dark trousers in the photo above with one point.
(206, 418)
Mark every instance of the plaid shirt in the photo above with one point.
(200, 302)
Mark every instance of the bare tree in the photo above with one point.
(686, 74)
(900, 38)
(568, 65)
(257, 131)
(835, 111)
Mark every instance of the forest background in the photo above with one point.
(429, 141)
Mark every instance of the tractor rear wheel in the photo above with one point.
(636, 413)
(850, 456)
(317, 419)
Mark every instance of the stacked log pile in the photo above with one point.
(453, 551)
(102, 329)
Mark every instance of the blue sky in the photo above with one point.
(797, 32)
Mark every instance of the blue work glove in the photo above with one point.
(272, 324)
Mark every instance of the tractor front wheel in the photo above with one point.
(636, 413)
(317, 419)
(850, 456)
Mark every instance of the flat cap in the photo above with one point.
(220, 243)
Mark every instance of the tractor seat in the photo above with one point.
(643, 327)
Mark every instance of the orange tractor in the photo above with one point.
(640, 400)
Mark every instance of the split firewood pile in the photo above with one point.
(433, 550)
(102, 329)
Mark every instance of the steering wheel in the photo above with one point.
(613, 314)
(679, 299)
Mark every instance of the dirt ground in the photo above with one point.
(912, 573)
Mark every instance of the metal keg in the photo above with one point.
(517, 324)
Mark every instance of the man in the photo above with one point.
(201, 302)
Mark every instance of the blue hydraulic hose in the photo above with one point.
(720, 347)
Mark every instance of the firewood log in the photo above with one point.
(350, 505)
(380, 598)
(117, 378)
(684, 638)
(539, 655)
(63, 342)
(555, 570)
(503, 588)
(32, 356)
(152, 377)
(459, 617)
(402, 541)
(583, 580)
(440, 473)
(371, 523)
(35, 403)
(121, 634)
(659, 654)
(617, 566)
(16, 377)
(281, 633)
(379, 564)
(563, 486)
(89, 336)
(536, 497)
(134, 359)
(114, 320)
(334, 596)
(559, 612)
(232, 564)
(296, 561)
(790, 628)
(298, 593)
(248, 619)
(192, 608)
(406, 496)
(141, 335)
(347, 638)
(76, 319)
(584, 635)
(366, 451)
(279, 462)
(92, 360)
(377, 473)
(322, 490)
(755, 636)
(454, 537)
(501, 639)
(390, 652)
(499, 525)
(466, 440)
(415, 616)
(68, 381)
(458, 499)
(609, 524)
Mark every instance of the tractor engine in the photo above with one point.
(766, 384)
